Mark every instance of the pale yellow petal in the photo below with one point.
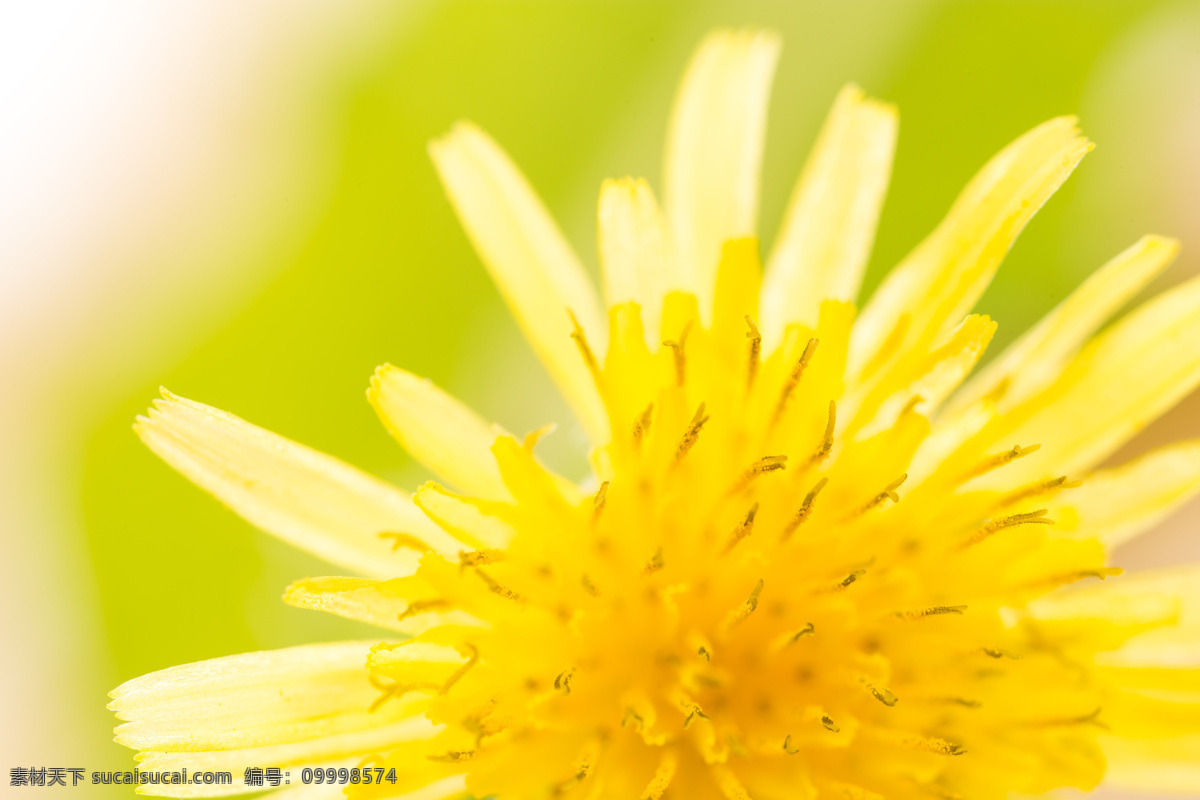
(534, 267)
(714, 150)
(1115, 505)
(1122, 381)
(437, 430)
(637, 257)
(464, 517)
(1034, 360)
(1153, 765)
(296, 695)
(379, 603)
(827, 232)
(941, 280)
(306, 498)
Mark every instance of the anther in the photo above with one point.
(680, 357)
(1000, 523)
(642, 426)
(421, 606)
(829, 724)
(453, 756)
(703, 653)
(888, 493)
(764, 464)
(563, 681)
(454, 678)
(744, 528)
(849, 579)
(808, 630)
(788, 747)
(693, 432)
(663, 776)
(496, 588)
(655, 563)
(478, 558)
(755, 351)
(585, 350)
(805, 510)
(931, 611)
(793, 378)
(405, 540)
(884, 696)
(599, 499)
(822, 451)
(746, 608)
(1036, 488)
(998, 460)
(589, 587)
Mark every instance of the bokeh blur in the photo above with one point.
(232, 198)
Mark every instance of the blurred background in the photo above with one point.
(232, 198)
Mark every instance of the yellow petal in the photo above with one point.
(941, 280)
(532, 264)
(714, 150)
(827, 232)
(306, 498)
(382, 603)
(637, 256)
(1153, 765)
(1122, 381)
(298, 695)
(1033, 361)
(437, 430)
(1115, 505)
(464, 518)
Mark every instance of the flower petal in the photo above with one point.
(714, 150)
(532, 264)
(637, 257)
(1123, 380)
(437, 430)
(822, 248)
(1115, 505)
(941, 280)
(296, 694)
(1034, 360)
(388, 604)
(1153, 765)
(308, 499)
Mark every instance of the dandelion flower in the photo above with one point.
(818, 558)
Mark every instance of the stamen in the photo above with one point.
(994, 652)
(703, 653)
(1038, 487)
(888, 493)
(693, 432)
(421, 606)
(454, 756)
(746, 608)
(599, 499)
(805, 510)
(472, 660)
(755, 351)
(998, 460)
(787, 746)
(849, 579)
(642, 426)
(563, 681)
(884, 696)
(680, 357)
(826, 445)
(744, 529)
(793, 379)
(694, 712)
(663, 776)
(1000, 523)
(585, 350)
(829, 724)
(405, 540)
(504, 592)
(932, 611)
(764, 464)
(930, 744)
(655, 563)
(808, 630)
(589, 587)
(478, 558)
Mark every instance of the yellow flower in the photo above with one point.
(815, 561)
